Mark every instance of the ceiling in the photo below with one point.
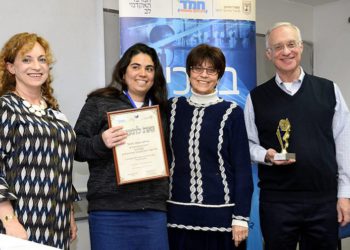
(313, 2)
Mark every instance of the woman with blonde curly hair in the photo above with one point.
(37, 146)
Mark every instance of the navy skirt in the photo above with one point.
(134, 230)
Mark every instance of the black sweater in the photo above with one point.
(103, 192)
(313, 177)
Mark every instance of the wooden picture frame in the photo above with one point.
(143, 156)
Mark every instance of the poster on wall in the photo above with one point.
(174, 27)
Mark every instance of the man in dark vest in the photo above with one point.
(299, 134)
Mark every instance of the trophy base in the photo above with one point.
(284, 156)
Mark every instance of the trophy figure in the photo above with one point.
(283, 134)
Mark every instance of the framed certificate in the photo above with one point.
(143, 156)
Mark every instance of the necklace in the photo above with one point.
(38, 110)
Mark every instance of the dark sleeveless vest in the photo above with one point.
(313, 178)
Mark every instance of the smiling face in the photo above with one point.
(30, 69)
(203, 83)
(139, 76)
(286, 58)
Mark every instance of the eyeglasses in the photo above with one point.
(200, 70)
(280, 46)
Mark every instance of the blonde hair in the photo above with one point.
(280, 24)
(18, 45)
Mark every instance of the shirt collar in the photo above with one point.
(299, 80)
(290, 87)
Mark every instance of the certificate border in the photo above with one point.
(159, 127)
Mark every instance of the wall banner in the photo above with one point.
(174, 27)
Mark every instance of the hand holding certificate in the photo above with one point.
(143, 155)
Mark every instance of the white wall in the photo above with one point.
(111, 4)
(332, 44)
(270, 11)
(83, 240)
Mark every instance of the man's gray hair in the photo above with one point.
(277, 25)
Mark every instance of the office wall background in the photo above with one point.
(332, 44)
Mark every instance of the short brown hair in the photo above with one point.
(204, 52)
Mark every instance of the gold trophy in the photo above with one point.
(283, 134)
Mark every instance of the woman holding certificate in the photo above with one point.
(129, 216)
(211, 181)
(37, 146)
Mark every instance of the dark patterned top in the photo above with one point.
(103, 191)
(36, 160)
(210, 171)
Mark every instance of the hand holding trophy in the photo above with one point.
(283, 134)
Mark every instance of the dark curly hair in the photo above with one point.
(158, 92)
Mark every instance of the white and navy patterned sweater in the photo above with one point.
(211, 181)
(36, 161)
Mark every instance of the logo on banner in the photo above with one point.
(146, 5)
(192, 6)
(247, 7)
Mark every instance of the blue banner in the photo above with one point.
(174, 27)
(174, 38)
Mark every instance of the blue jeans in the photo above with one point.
(134, 230)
